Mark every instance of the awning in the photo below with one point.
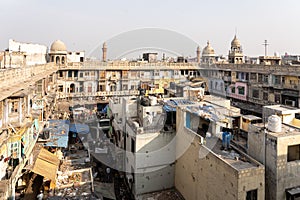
(46, 164)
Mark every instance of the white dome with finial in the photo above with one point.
(235, 42)
(208, 50)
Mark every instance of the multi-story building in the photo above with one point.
(205, 167)
(23, 105)
(275, 143)
(150, 151)
(252, 86)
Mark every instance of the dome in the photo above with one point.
(58, 46)
(235, 42)
(208, 50)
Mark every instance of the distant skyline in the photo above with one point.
(82, 25)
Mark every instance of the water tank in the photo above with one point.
(274, 123)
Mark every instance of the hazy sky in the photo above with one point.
(82, 25)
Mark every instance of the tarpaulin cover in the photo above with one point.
(79, 128)
(59, 133)
(170, 105)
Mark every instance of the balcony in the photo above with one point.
(291, 86)
(227, 78)
(98, 94)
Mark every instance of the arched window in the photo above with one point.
(72, 88)
(63, 60)
(57, 60)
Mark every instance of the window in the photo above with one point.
(277, 98)
(14, 147)
(90, 87)
(133, 74)
(233, 90)
(253, 76)
(60, 74)
(241, 90)
(80, 86)
(132, 145)
(60, 88)
(102, 74)
(255, 93)
(247, 76)
(265, 78)
(70, 74)
(293, 153)
(156, 73)
(251, 195)
(265, 96)
(101, 88)
(276, 79)
(14, 106)
(242, 76)
(292, 82)
(259, 78)
(125, 74)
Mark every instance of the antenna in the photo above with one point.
(266, 46)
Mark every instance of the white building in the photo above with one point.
(34, 53)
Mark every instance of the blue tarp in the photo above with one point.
(79, 128)
(59, 133)
(170, 105)
(104, 110)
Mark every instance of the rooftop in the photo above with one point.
(282, 109)
(171, 194)
(251, 117)
(286, 130)
(233, 157)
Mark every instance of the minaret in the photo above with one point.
(104, 51)
(198, 54)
